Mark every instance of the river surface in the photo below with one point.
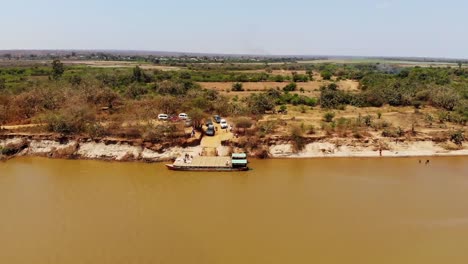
(390, 210)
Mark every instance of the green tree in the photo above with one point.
(137, 74)
(260, 103)
(57, 69)
(290, 87)
(326, 75)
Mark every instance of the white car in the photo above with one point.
(223, 124)
(163, 117)
(183, 116)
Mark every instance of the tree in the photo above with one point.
(310, 73)
(137, 74)
(330, 97)
(260, 103)
(326, 75)
(57, 69)
(446, 98)
(197, 116)
(168, 104)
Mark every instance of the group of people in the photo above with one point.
(187, 158)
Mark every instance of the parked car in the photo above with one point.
(209, 122)
(217, 118)
(223, 124)
(183, 116)
(163, 116)
(210, 131)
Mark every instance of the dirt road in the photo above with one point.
(209, 144)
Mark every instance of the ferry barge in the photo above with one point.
(236, 162)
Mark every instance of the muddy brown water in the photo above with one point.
(391, 210)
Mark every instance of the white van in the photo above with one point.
(163, 117)
(183, 116)
(223, 124)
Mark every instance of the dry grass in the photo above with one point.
(404, 117)
(120, 64)
(310, 88)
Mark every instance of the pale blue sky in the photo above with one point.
(328, 27)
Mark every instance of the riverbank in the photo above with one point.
(134, 150)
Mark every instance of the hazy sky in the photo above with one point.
(327, 27)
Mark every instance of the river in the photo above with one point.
(388, 210)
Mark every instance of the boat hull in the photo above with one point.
(219, 169)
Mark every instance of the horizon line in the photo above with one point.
(180, 53)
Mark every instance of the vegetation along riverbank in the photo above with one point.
(65, 107)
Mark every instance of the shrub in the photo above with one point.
(267, 127)
(457, 137)
(243, 122)
(445, 98)
(283, 109)
(379, 115)
(290, 87)
(368, 120)
(310, 130)
(303, 109)
(260, 103)
(331, 97)
(326, 75)
(237, 87)
(297, 138)
(328, 117)
(75, 119)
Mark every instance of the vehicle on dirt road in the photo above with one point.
(210, 131)
(183, 116)
(163, 116)
(223, 124)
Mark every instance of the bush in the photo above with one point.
(331, 97)
(457, 137)
(328, 117)
(243, 122)
(368, 120)
(267, 127)
(297, 138)
(290, 87)
(237, 87)
(326, 75)
(445, 98)
(75, 119)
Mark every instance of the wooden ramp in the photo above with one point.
(204, 161)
